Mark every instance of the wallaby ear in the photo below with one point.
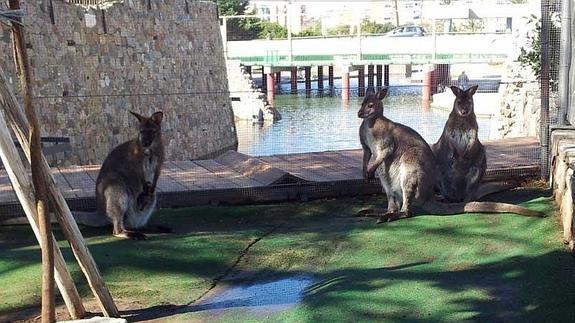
(457, 91)
(370, 91)
(382, 94)
(140, 118)
(157, 117)
(470, 91)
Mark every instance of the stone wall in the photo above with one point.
(91, 66)
(562, 181)
(520, 104)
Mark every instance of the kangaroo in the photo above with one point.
(458, 152)
(126, 184)
(407, 168)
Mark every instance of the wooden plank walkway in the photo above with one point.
(236, 178)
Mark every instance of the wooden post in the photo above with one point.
(345, 84)
(38, 180)
(386, 75)
(330, 80)
(307, 81)
(293, 80)
(370, 76)
(264, 80)
(426, 90)
(379, 77)
(361, 81)
(19, 124)
(320, 80)
(271, 88)
(25, 193)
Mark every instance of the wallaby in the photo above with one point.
(459, 154)
(406, 167)
(126, 184)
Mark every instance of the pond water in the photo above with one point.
(324, 123)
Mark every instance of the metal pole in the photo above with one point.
(544, 77)
(289, 20)
(565, 61)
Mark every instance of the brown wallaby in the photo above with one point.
(459, 154)
(406, 167)
(126, 184)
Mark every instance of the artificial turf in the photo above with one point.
(472, 267)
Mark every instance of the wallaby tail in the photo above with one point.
(90, 219)
(435, 207)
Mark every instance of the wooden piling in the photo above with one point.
(307, 81)
(330, 80)
(345, 85)
(379, 76)
(320, 80)
(293, 80)
(361, 81)
(386, 75)
(264, 80)
(271, 88)
(370, 76)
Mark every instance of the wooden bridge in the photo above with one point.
(235, 178)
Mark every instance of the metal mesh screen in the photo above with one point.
(296, 73)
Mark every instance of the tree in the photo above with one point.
(531, 56)
(232, 7)
(339, 30)
(472, 25)
(371, 27)
(313, 30)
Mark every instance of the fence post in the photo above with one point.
(544, 120)
(565, 60)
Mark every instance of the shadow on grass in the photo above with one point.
(516, 289)
(208, 241)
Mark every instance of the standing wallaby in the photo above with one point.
(126, 184)
(406, 167)
(459, 153)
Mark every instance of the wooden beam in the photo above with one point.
(38, 180)
(19, 125)
(23, 188)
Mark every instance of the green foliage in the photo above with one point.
(472, 25)
(530, 56)
(314, 30)
(339, 30)
(372, 27)
(232, 7)
(271, 29)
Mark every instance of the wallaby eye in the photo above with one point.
(370, 105)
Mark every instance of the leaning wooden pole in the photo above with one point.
(38, 180)
(25, 193)
(62, 211)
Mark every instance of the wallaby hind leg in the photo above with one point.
(409, 187)
(116, 208)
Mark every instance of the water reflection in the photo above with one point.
(328, 123)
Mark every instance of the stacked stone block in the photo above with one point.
(90, 67)
(563, 165)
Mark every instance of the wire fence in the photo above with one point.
(297, 137)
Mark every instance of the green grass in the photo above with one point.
(461, 268)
